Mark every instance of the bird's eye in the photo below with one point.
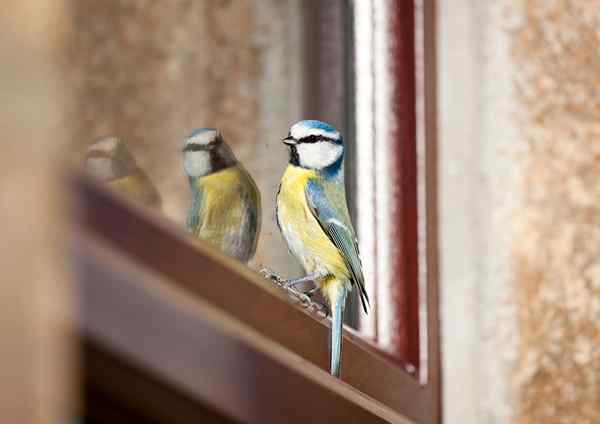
(314, 139)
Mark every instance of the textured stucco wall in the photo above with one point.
(556, 253)
(152, 71)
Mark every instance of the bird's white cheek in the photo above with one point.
(319, 155)
(197, 164)
(100, 168)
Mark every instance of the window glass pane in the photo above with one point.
(151, 72)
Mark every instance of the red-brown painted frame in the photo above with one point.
(395, 80)
(400, 191)
(402, 150)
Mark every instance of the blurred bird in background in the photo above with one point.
(110, 161)
(312, 214)
(225, 207)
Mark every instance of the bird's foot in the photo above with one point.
(273, 276)
(305, 299)
(289, 286)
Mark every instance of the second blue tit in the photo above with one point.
(312, 214)
(225, 207)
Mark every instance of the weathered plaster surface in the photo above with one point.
(557, 270)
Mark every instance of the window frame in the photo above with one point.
(389, 118)
(164, 249)
(384, 54)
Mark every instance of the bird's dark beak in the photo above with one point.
(289, 140)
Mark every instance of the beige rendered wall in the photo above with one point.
(557, 250)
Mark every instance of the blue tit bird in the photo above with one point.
(312, 214)
(225, 207)
(109, 160)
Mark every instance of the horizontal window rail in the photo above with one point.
(154, 351)
(160, 297)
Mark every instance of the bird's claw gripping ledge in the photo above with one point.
(305, 299)
(288, 287)
(273, 276)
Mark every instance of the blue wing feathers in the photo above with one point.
(341, 234)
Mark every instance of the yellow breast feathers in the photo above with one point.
(229, 218)
(138, 187)
(305, 237)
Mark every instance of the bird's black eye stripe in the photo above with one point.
(197, 147)
(314, 139)
(201, 147)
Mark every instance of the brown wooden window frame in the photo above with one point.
(405, 149)
(366, 70)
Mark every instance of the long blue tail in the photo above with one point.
(337, 322)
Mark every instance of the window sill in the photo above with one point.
(163, 284)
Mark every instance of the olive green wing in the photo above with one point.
(339, 230)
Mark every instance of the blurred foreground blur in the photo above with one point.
(38, 356)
